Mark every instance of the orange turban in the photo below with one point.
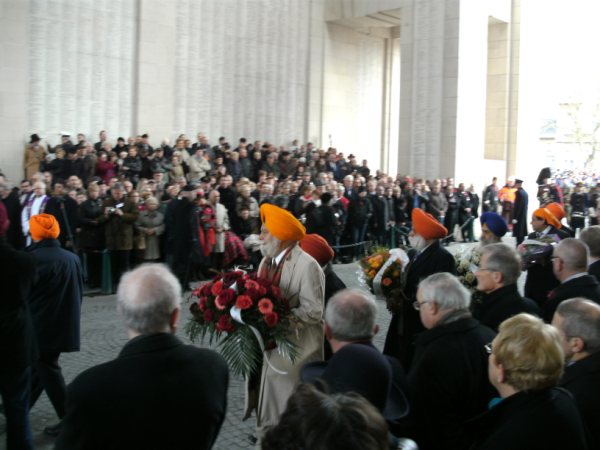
(43, 226)
(426, 226)
(544, 213)
(317, 247)
(557, 210)
(281, 223)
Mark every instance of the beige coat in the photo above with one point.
(151, 221)
(222, 222)
(303, 284)
(34, 155)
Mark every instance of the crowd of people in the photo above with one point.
(492, 369)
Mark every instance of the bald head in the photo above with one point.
(573, 258)
(350, 315)
(149, 298)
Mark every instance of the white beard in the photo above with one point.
(417, 242)
(270, 248)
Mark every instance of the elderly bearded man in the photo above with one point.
(430, 258)
(493, 227)
(302, 283)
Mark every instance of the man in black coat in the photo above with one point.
(578, 323)
(540, 279)
(158, 393)
(430, 258)
(520, 212)
(181, 230)
(497, 276)
(18, 349)
(66, 212)
(448, 380)
(55, 304)
(570, 268)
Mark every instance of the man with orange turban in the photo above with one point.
(302, 283)
(55, 306)
(559, 212)
(430, 257)
(540, 278)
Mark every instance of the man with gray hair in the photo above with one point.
(497, 276)
(158, 393)
(356, 365)
(578, 323)
(570, 264)
(448, 379)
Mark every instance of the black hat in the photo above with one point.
(362, 368)
(544, 173)
(326, 197)
(518, 180)
(34, 138)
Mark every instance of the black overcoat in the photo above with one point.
(585, 286)
(406, 324)
(157, 394)
(531, 420)
(449, 383)
(55, 298)
(494, 308)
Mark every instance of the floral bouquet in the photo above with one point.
(467, 261)
(537, 251)
(370, 265)
(245, 315)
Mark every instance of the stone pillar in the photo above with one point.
(14, 86)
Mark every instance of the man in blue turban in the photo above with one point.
(493, 227)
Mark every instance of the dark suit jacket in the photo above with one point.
(586, 286)
(520, 214)
(448, 382)
(157, 394)
(495, 307)
(582, 379)
(403, 327)
(531, 420)
(17, 341)
(594, 269)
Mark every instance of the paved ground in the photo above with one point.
(102, 337)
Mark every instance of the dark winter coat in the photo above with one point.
(156, 386)
(17, 340)
(404, 326)
(55, 298)
(119, 229)
(494, 308)
(448, 381)
(585, 286)
(91, 235)
(531, 420)
(582, 379)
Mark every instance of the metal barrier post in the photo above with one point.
(106, 283)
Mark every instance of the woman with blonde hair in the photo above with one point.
(525, 365)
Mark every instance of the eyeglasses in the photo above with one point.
(488, 348)
(417, 305)
(483, 269)
(552, 258)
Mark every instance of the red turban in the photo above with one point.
(43, 226)
(426, 225)
(317, 247)
(281, 223)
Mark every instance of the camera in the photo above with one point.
(111, 210)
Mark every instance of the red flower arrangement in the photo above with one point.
(245, 315)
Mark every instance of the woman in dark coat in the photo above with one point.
(532, 413)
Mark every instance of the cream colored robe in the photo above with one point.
(303, 284)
